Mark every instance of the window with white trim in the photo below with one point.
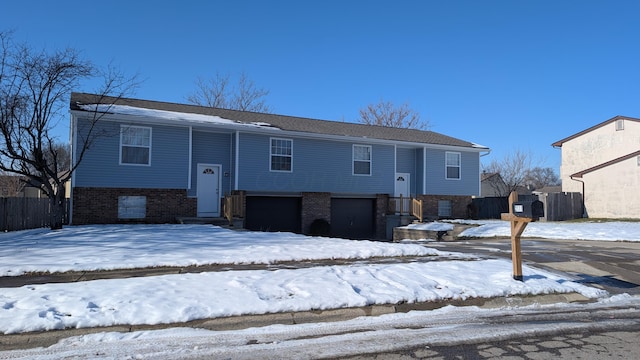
(452, 166)
(281, 155)
(135, 145)
(361, 160)
(619, 125)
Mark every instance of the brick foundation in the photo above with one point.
(458, 205)
(382, 203)
(100, 205)
(315, 205)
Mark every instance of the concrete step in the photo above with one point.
(218, 221)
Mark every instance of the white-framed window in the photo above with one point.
(452, 165)
(619, 125)
(281, 155)
(135, 145)
(361, 160)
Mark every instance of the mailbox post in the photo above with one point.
(520, 214)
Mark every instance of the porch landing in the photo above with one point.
(402, 233)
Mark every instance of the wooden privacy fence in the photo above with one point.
(21, 213)
(557, 206)
(562, 206)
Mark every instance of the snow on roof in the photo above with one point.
(168, 115)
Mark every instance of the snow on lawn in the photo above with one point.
(108, 247)
(180, 298)
(184, 297)
(605, 231)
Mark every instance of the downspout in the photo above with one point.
(230, 162)
(72, 136)
(583, 194)
(190, 158)
(237, 167)
(424, 170)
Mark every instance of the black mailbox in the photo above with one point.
(528, 209)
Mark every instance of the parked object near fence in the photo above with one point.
(21, 213)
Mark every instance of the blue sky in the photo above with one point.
(510, 75)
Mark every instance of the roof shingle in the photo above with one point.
(284, 122)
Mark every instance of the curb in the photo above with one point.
(48, 338)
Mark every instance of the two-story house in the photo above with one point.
(156, 161)
(603, 164)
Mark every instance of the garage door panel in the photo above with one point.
(265, 213)
(353, 218)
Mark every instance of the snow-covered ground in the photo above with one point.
(604, 231)
(184, 297)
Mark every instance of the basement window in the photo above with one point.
(444, 208)
(132, 207)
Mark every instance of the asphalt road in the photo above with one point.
(610, 265)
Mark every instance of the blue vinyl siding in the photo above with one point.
(212, 148)
(406, 163)
(406, 160)
(169, 160)
(468, 184)
(419, 178)
(317, 165)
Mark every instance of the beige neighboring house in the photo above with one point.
(603, 163)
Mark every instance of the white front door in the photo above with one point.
(208, 190)
(403, 186)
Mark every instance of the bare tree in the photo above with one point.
(34, 92)
(385, 113)
(539, 177)
(513, 170)
(216, 92)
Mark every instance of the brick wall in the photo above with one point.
(382, 203)
(315, 205)
(100, 205)
(458, 205)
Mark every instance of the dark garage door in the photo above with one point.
(353, 218)
(267, 213)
